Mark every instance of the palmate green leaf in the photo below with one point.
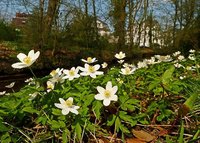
(117, 124)
(124, 129)
(97, 105)
(127, 118)
(6, 138)
(30, 110)
(3, 128)
(154, 84)
(166, 77)
(78, 131)
(130, 104)
(56, 124)
(111, 120)
(56, 112)
(65, 136)
(42, 119)
(88, 99)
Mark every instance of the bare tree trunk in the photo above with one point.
(95, 21)
(41, 24)
(53, 5)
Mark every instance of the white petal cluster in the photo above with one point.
(127, 70)
(89, 70)
(71, 74)
(89, 60)
(26, 60)
(107, 94)
(120, 55)
(67, 106)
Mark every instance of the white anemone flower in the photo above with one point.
(176, 53)
(104, 65)
(192, 51)
(90, 70)
(57, 75)
(181, 58)
(120, 61)
(11, 85)
(89, 60)
(120, 55)
(108, 94)
(177, 65)
(3, 93)
(127, 70)
(71, 74)
(191, 57)
(67, 106)
(142, 64)
(26, 61)
(50, 86)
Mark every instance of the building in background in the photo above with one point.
(20, 20)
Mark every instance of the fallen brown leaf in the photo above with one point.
(143, 136)
(134, 140)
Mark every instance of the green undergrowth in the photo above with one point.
(152, 95)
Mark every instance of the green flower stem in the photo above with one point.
(32, 73)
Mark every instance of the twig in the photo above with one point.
(161, 125)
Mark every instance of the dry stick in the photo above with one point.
(161, 125)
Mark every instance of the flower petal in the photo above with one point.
(58, 105)
(114, 89)
(99, 97)
(108, 85)
(114, 98)
(36, 55)
(70, 99)
(106, 102)
(21, 57)
(19, 65)
(65, 111)
(100, 89)
(74, 111)
(62, 101)
(97, 66)
(31, 53)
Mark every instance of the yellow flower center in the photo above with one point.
(71, 73)
(127, 70)
(68, 103)
(53, 73)
(89, 60)
(50, 86)
(27, 60)
(107, 93)
(91, 69)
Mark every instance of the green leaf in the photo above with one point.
(127, 118)
(78, 131)
(166, 77)
(130, 104)
(42, 119)
(56, 112)
(30, 110)
(124, 129)
(5, 138)
(97, 107)
(56, 124)
(117, 124)
(65, 136)
(3, 128)
(88, 99)
(181, 136)
(111, 120)
(155, 83)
